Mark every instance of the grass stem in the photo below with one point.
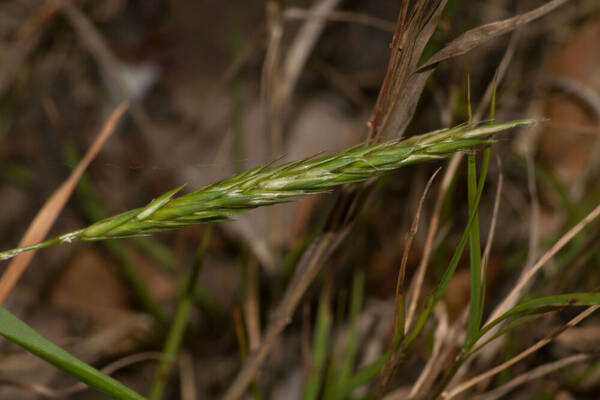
(179, 324)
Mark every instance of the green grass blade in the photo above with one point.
(320, 348)
(356, 300)
(513, 323)
(179, 324)
(441, 288)
(171, 347)
(362, 377)
(336, 379)
(476, 299)
(542, 305)
(474, 253)
(22, 334)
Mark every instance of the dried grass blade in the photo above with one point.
(477, 36)
(538, 345)
(535, 373)
(516, 292)
(45, 218)
(400, 308)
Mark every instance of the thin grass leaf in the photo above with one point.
(179, 324)
(523, 354)
(484, 262)
(441, 288)
(320, 347)
(22, 334)
(368, 373)
(474, 315)
(477, 36)
(265, 185)
(476, 303)
(538, 306)
(476, 300)
(533, 374)
(341, 365)
(514, 323)
(333, 366)
(356, 300)
(362, 377)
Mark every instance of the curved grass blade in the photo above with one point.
(530, 309)
(22, 334)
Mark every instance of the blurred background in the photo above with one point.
(219, 87)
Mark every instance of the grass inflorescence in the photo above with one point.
(267, 184)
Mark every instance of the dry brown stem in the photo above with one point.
(43, 221)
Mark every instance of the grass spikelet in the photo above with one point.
(266, 184)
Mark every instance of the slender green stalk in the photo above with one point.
(266, 185)
(443, 284)
(474, 255)
(361, 377)
(320, 347)
(474, 240)
(356, 302)
(179, 325)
